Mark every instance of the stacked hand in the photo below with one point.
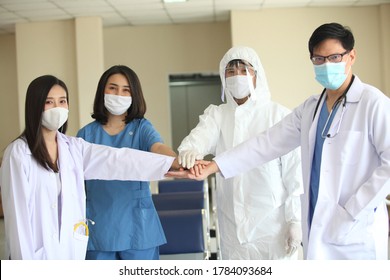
(199, 171)
(187, 159)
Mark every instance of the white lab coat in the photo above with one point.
(33, 227)
(350, 219)
(254, 209)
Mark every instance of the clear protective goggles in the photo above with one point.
(239, 69)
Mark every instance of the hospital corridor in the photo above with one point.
(275, 113)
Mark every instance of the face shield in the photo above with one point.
(239, 77)
(241, 57)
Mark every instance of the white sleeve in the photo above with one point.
(203, 138)
(372, 193)
(108, 163)
(292, 182)
(15, 192)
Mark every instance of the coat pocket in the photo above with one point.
(80, 242)
(347, 143)
(39, 254)
(343, 230)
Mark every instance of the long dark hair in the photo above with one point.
(138, 105)
(36, 96)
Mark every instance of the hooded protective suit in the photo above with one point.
(258, 211)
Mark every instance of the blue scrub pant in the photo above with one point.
(148, 254)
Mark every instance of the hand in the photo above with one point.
(182, 174)
(175, 165)
(187, 158)
(199, 168)
(200, 171)
(293, 238)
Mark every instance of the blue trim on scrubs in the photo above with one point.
(123, 211)
(316, 164)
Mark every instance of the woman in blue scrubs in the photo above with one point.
(127, 226)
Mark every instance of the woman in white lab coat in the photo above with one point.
(349, 218)
(258, 211)
(43, 172)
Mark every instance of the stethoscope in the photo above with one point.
(334, 107)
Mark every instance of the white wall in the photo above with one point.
(46, 48)
(72, 50)
(280, 36)
(9, 118)
(154, 52)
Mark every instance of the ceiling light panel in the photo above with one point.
(174, 1)
(80, 3)
(16, 6)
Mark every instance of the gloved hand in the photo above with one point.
(187, 158)
(293, 238)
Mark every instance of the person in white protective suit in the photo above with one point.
(345, 147)
(259, 211)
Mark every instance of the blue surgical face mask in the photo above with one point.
(331, 75)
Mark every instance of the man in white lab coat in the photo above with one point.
(345, 147)
(259, 211)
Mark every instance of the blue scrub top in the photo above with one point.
(316, 164)
(123, 211)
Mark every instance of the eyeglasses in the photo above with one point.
(334, 58)
(239, 70)
(335, 106)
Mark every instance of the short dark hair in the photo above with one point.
(36, 96)
(332, 31)
(138, 105)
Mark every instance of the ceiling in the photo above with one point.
(146, 12)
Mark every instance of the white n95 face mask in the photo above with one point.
(117, 104)
(238, 86)
(54, 118)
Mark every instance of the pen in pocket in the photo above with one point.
(82, 227)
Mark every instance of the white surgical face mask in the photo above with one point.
(238, 86)
(54, 118)
(117, 104)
